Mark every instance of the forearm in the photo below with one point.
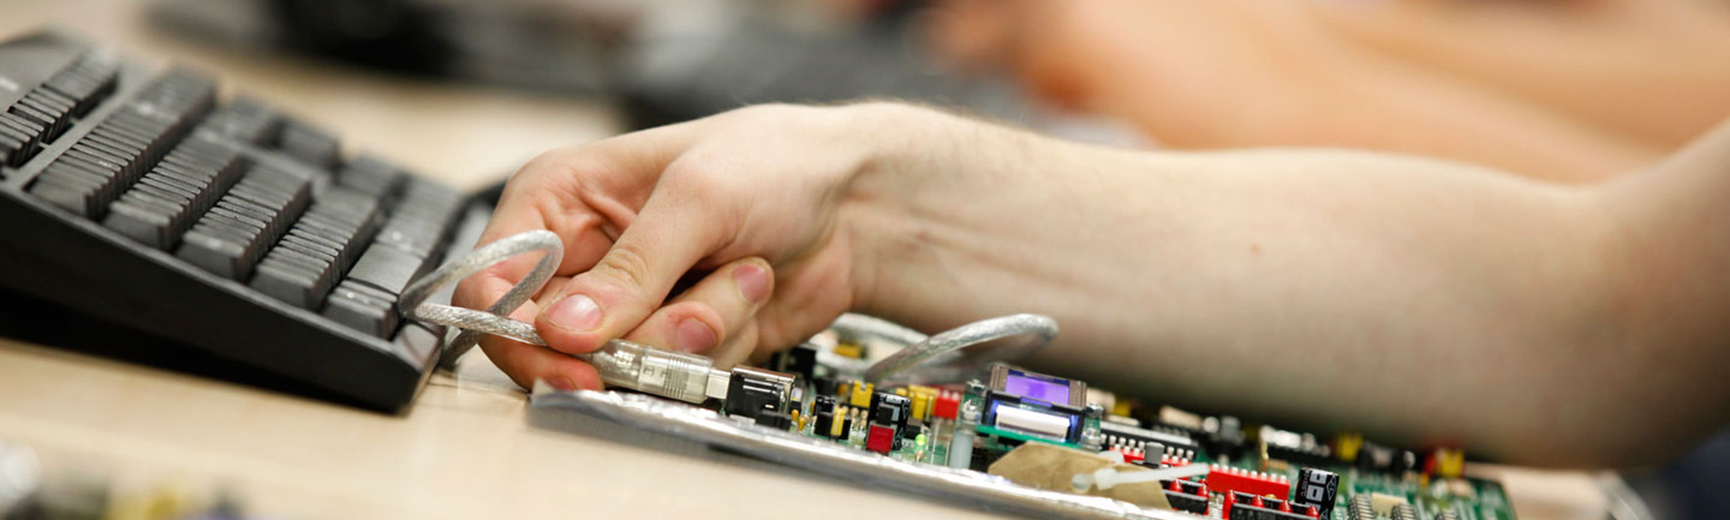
(1361, 100)
(1647, 69)
(1285, 83)
(1416, 300)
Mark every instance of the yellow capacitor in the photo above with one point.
(901, 392)
(1120, 408)
(921, 400)
(1450, 463)
(844, 389)
(798, 422)
(861, 394)
(849, 350)
(836, 423)
(1346, 446)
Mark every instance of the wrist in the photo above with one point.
(885, 209)
(925, 207)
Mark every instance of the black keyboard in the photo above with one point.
(144, 198)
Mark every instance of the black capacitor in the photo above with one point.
(1374, 457)
(823, 409)
(891, 410)
(825, 421)
(913, 429)
(846, 427)
(1317, 488)
(1405, 460)
(825, 386)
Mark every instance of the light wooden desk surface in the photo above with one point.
(465, 450)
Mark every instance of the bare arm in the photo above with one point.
(1416, 300)
(1250, 73)
(1419, 300)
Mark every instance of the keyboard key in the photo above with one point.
(363, 308)
(16, 145)
(42, 110)
(319, 248)
(25, 130)
(371, 176)
(421, 218)
(312, 145)
(387, 268)
(246, 120)
(161, 207)
(288, 277)
(122, 147)
(87, 81)
(366, 300)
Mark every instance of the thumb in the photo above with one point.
(668, 237)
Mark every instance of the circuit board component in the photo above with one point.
(1269, 474)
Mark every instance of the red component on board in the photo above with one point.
(948, 405)
(880, 439)
(1132, 456)
(1225, 480)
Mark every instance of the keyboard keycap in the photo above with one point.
(232, 237)
(366, 300)
(183, 186)
(246, 120)
(87, 81)
(363, 308)
(122, 147)
(319, 248)
(421, 218)
(288, 277)
(312, 145)
(371, 176)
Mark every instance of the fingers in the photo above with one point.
(671, 234)
(582, 193)
(715, 316)
(527, 363)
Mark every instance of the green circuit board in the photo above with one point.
(920, 425)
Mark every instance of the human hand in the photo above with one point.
(756, 198)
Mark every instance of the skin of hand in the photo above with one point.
(1415, 300)
(640, 211)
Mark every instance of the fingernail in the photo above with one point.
(562, 384)
(576, 312)
(693, 336)
(753, 282)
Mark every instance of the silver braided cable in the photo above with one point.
(666, 373)
(494, 320)
(956, 354)
(949, 356)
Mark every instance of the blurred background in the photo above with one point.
(1558, 90)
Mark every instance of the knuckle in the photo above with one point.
(627, 263)
(545, 161)
(702, 179)
(767, 110)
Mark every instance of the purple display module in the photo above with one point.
(1034, 387)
